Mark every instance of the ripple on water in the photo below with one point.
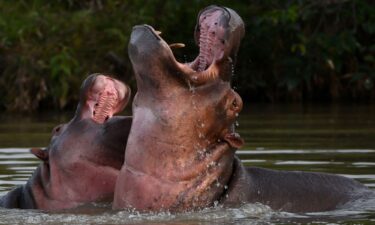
(17, 164)
(305, 151)
(248, 212)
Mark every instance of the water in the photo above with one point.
(337, 139)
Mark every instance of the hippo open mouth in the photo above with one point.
(211, 34)
(105, 97)
(218, 33)
(181, 146)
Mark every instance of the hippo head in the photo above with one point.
(218, 33)
(84, 157)
(180, 150)
(212, 106)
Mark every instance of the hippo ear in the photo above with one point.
(40, 153)
(234, 140)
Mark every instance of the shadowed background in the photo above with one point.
(293, 51)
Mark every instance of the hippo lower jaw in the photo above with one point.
(217, 34)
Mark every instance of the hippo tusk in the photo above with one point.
(177, 45)
(200, 77)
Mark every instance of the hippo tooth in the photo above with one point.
(177, 45)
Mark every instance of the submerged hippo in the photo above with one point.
(83, 160)
(180, 152)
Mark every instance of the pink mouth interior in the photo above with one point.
(107, 101)
(103, 99)
(211, 40)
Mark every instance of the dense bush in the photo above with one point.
(293, 50)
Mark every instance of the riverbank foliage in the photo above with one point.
(313, 50)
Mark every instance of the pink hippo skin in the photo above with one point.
(181, 148)
(84, 157)
(180, 152)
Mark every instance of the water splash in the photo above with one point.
(232, 70)
(216, 214)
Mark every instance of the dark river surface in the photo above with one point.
(338, 139)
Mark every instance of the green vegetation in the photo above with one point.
(311, 50)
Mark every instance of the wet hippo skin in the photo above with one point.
(84, 157)
(172, 161)
(181, 146)
(292, 191)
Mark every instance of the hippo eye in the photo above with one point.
(57, 129)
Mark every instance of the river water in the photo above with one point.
(337, 139)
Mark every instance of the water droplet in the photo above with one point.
(237, 114)
(368, 84)
(192, 89)
(236, 123)
(232, 70)
(225, 187)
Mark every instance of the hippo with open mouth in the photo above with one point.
(84, 157)
(180, 151)
(181, 147)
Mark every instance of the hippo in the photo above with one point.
(182, 143)
(84, 157)
(292, 191)
(180, 155)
